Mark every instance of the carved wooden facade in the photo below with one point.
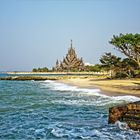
(70, 62)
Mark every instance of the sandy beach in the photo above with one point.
(108, 87)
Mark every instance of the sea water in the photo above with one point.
(50, 110)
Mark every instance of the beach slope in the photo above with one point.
(107, 86)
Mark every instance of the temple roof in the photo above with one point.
(70, 61)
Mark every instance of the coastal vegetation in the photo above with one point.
(44, 69)
(129, 45)
(127, 66)
(94, 68)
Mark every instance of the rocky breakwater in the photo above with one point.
(36, 78)
(41, 78)
(129, 113)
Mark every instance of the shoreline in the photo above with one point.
(107, 87)
(57, 73)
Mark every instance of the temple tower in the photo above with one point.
(70, 62)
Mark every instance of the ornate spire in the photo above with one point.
(57, 62)
(70, 62)
(71, 43)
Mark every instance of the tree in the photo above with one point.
(110, 63)
(34, 70)
(95, 68)
(126, 68)
(129, 45)
(45, 69)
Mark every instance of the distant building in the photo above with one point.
(89, 64)
(70, 62)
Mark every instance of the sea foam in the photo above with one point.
(96, 97)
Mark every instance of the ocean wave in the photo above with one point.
(85, 96)
(89, 133)
(69, 88)
(44, 110)
(122, 125)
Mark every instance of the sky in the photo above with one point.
(35, 33)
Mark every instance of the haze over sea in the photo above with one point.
(52, 110)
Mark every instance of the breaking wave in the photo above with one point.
(86, 96)
(51, 110)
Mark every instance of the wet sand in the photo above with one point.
(108, 87)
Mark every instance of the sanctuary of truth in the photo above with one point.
(70, 62)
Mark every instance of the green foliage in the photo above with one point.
(129, 45)
(128, 67)
(74, 70)
(121, 74)
(137, 73)
(34, 70)
(45, 69)
(119, 68)
(95, 68)
(109, 61)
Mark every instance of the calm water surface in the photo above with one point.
(50, 110)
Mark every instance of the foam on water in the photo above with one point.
(98, 98)
(96, 134)
(122, 125)
(51, 110)
(64, 87)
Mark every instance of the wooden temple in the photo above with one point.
(70, 63)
